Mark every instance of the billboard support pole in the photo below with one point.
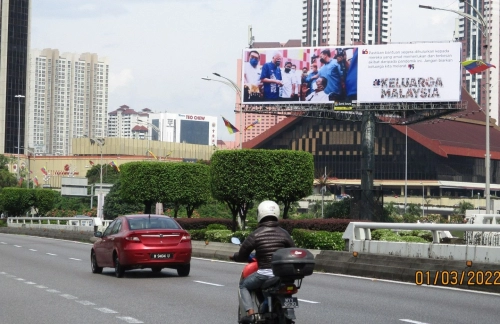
(366, 210)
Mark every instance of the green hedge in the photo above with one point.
(391, 236)
(202, 223)
(318, 240)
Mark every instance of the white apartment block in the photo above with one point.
(346, 22)
(68, 98)
(123, 121)
(473, 42)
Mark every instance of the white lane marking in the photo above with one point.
(412, 321)
(129, 319)
(51, 254)
(3, 243)
(208, 283)
(309, 301)
(3, 273)
(41, 286)
(75, 259)
(33, 250)
(85, 302)
(409, 283)
(50, 238)
(53, 291)
(20, 279)
(30, 283)
(17, 245)
(106, 310)
(68, 296)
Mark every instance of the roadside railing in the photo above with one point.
(358, 239)
(65, 223)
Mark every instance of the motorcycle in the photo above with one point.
(274, 302)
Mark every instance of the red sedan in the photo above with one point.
(142, 241)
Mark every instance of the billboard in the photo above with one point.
(420, 72)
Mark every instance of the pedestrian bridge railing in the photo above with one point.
(358, 239)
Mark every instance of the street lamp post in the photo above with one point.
(486, 32)
(423, 199)
(19, 135)
(100, 197)
(153, 127)
(237, 89)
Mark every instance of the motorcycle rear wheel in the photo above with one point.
(281, 318)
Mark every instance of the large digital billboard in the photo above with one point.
(420, 72)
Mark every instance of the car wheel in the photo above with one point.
(93, 263)
(183, 270)
(156, 270)
(119, 270)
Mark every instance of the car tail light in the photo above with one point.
(133, 238)
(288, 290)
(185, 238)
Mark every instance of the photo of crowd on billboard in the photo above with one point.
(300, 75)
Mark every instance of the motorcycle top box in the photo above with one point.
(293, 263)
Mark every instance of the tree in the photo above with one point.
(4, 162)
(17, 201)
(190, 185)
(44, 200)
(235, 179)
(146, 182)
(291, 176)
(7, 179)
(115, 205)
(239, 177)
(462, 207)
(109, 174)
(338, 209)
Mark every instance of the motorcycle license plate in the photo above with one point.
(289, 302)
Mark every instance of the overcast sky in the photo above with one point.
(160, 49)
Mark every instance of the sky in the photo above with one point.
(159, 50)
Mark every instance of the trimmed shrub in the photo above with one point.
(217, 227)
(202, 223)
(318, 240)
(197, 235)
(223, 236)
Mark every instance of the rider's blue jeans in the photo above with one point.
(252, 282)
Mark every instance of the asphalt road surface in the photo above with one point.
(49, 281)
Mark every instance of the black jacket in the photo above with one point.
(265, 240)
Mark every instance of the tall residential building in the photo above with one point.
(346, 22)
(474, 42)
(14, 42)
(125, 122)
(68, 99)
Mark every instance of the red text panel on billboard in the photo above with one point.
(425, 72)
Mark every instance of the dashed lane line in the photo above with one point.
(85, 302)
(412, 321)
(106, 310)
(208, 283)
(20, 279)
(53, 291)
(68, 296)
(129, 319)
(308, 301)
(17, 245)
(3, 243)
(75, 259)
(51, 254)
(33, 250)
(30, 283)
(41, 287)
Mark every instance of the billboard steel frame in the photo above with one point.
(397, 113)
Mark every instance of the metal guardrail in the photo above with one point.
(58, 222)
(358, 239)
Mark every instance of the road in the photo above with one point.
(49, 281)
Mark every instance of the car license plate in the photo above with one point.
(289, 302)
(159, 256)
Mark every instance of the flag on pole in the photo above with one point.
(91, 162)
(44, 170)
(151, 153)
(35, 181)
(230, 128)
(476, 66)
(113, 164)
(169, 153)
(252, 124)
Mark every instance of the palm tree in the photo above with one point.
(321, 180)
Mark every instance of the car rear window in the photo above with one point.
(152, 223)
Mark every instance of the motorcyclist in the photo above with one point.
(265, 240)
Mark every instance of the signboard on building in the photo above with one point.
(420, 72)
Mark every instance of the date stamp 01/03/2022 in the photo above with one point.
(458, 277)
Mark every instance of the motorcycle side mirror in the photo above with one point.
(235, 240)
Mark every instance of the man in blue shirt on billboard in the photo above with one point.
(271, 78)
(331, 71)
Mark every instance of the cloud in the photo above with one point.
(120, 79)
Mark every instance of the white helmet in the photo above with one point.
(268, 208)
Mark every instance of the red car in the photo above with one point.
(142, 241)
